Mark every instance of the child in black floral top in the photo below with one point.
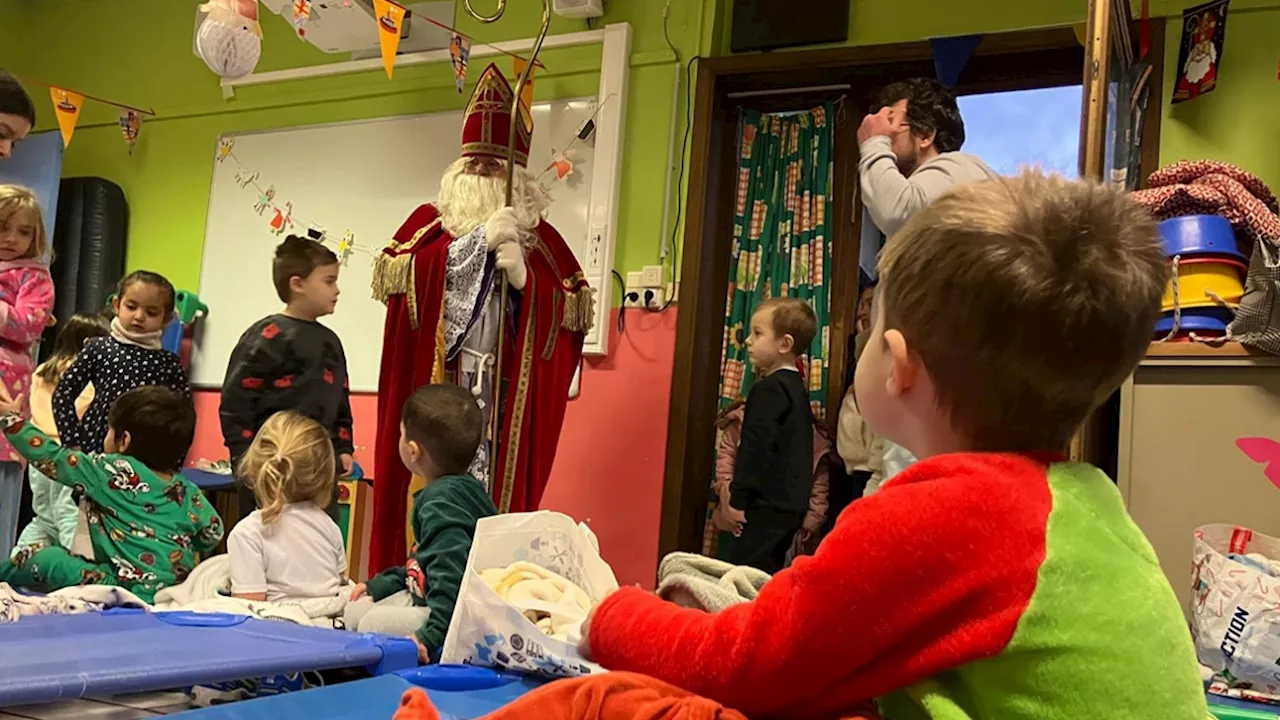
(130, 358)
(146, 521)
(289, 361)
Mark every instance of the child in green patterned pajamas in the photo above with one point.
(146, 521)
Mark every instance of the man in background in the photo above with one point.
(909, 156)
(17, 113)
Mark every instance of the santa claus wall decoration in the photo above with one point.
(1204, 28)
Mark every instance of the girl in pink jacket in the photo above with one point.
(26, 301)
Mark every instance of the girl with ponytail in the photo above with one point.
(289, 548)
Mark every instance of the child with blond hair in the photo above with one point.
(26, 301)
(992, 579)
(289, 548)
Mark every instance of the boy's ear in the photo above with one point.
(124, 441)
(295, 283)
(787, 343)
(416, 453)
(904, 365)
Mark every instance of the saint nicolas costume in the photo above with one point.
(442, 318)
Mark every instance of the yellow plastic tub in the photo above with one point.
(1200, 279)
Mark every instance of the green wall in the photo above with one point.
(139, 51)
(1239, 121)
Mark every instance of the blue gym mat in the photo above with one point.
(372, 699)
(58, 657)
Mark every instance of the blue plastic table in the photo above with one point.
(58, 657)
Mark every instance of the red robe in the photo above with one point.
(538, 362)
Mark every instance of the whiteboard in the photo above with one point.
(364, 176)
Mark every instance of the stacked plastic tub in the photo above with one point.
(1206, 282)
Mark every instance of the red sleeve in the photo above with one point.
(931, 572)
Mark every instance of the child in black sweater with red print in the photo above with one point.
(289, 361)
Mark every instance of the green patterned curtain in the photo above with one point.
(780, 238)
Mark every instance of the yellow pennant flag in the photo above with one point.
(390, 19)
(526, 94)
(66, 104)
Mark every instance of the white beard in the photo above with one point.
(467, 201)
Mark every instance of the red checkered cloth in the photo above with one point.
(1210, 187)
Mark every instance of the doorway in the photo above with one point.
(1041, 60)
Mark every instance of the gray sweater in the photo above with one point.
(891, 199)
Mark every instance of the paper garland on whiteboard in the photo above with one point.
(278, 212)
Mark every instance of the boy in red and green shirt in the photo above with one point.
(992, 579)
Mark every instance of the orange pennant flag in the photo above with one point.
(66, 104)
(390, 19)
(526, 94)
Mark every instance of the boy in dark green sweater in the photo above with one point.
(440, 430)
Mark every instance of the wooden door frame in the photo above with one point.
(1005, 61)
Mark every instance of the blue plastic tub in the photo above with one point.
(1194, 235)
(1202, 320)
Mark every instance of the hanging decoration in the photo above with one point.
(301, 14)
(390, 19)
(561, 164)
(459, 55)
(1204, 30)
(265, 198)
(130, 126)
(526, 93)
(345, 245)
(224, 147)
(67, 105)
(281, 217)
(228, 37)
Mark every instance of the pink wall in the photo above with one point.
(609, 466)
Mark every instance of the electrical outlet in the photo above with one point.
(653, 298)
(673, 291)
(595, 248)
(652, 276)
(635, 280)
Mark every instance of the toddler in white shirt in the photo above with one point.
(288, 549)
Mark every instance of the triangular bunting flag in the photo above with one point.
(951, 54)
(526, 93)
(130, 126)
(66, 104)
(459, 55)
(390, 19)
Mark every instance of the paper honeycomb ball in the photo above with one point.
(229, 44)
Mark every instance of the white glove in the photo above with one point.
(501, 227)
(509, 257)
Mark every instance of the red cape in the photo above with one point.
(538, 363)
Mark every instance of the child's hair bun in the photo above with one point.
(293, 244)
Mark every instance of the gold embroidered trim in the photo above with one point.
(556, 310)
(395, 275)
(493, 149)
(517, 415)
(437, 363)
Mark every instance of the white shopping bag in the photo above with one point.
(486, 631)
(1235, 605)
